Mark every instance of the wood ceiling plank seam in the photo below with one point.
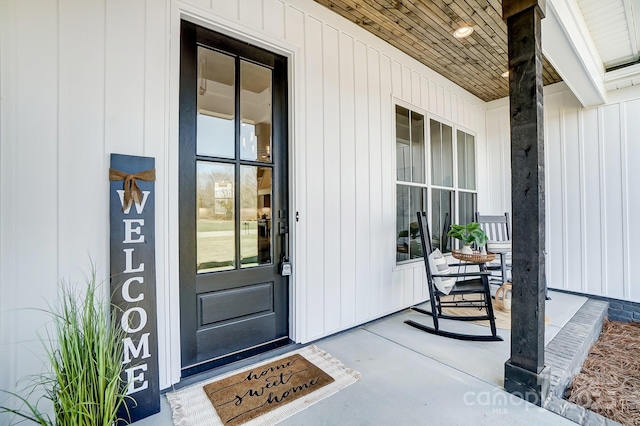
(475, 55)
(422, 34)
(549, 74)
(467, 16)
(381, 33)
(478, 50)
(413, 43)
(492, 49)
(352, 15)
(548, 68)
(397, 20)
(552, 76)
(481, 56)
(336, 8)
(496, 26)
(490, 40)
(497, 6)
(478, 12)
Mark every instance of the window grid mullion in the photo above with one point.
(428, 187)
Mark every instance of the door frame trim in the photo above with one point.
(168, 261)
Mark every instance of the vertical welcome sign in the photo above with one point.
(133, 283)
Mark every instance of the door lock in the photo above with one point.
(285, 269)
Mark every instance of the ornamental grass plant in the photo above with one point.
(84, 351)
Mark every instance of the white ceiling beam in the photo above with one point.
(567, 44)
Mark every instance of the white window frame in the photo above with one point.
(428, 169)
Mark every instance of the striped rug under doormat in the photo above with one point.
(263, 394)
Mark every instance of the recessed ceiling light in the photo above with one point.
(463, 32)
(505, 74)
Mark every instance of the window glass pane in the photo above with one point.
(255, 216)
(215, 217)
(467, 207)
(410, 200)
(466, 161)
(403, 144)
(403, 221)
(215, 131)
(441, 154)
(436, 152)
(447, 156)
(417, 147)
(470, 161)
(417, 201)
(255, 109)
(442, 212)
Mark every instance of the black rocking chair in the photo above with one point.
(473, 283)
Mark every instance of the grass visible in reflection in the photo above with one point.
(212, 225)
(217, 252)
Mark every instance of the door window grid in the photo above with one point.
(233, 231)
(448, 194)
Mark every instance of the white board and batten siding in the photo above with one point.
(344, 169)
(592, 202)
(81, 80)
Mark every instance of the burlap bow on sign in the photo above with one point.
(131, 190)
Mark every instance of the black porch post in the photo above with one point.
(525, 373)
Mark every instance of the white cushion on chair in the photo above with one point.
(499, 246)
(438, 265)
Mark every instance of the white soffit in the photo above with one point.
(567, 44)
(612, 29)
(626, 76)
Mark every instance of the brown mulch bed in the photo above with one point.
(609, 383)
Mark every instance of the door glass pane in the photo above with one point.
(403, 144)
(216, 104)
(410, 200)
(215, 247)
(441, 154)
(466, 161)
(417, 147)
(255, 109)
(255, 215)
(442, 212)
(467, 206)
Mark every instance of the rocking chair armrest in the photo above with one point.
(468, 264)
(462, 274)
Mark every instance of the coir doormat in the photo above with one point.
(263, 394)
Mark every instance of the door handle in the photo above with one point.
(283, 231)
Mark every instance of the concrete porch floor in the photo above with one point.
(410, 377)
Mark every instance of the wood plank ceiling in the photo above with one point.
(424, 30)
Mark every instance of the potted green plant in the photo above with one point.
(468, 234)
(83, 384)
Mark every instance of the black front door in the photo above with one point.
(233, 199)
